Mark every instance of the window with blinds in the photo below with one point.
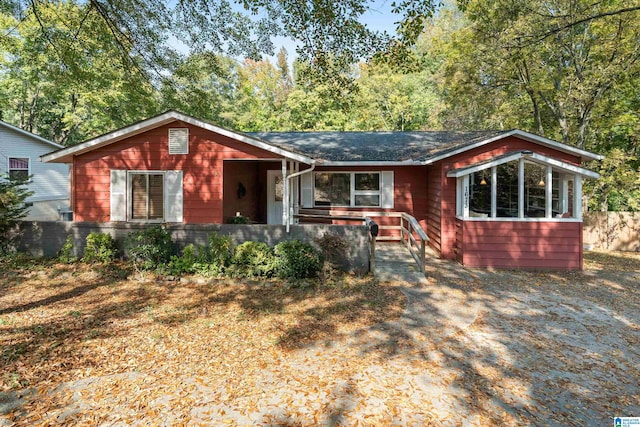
(147, 196)
(179, 141)
(18, 168)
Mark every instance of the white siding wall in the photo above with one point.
(50, 181)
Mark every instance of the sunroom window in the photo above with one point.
(520, 188)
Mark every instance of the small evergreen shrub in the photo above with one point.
(65, 255)
(213, 259)
(13, 193)
(239, 220)
(100, 247)
(149, 249)
(253, 259)
(219, 251)
(296, 260)
(185, 263)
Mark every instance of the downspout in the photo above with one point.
(295, 175)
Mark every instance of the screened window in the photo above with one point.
(18, 168)
(147, 196)
(353, 189)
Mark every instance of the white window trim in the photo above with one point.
(463, 195)
(19, 157)
(130, 196)
(352, 189)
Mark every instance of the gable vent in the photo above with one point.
(179, 141)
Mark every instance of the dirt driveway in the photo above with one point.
(473, 347)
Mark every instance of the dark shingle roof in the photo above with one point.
(373, 146)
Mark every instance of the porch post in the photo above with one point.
(285, 195)
(521, 188)
(577, 196)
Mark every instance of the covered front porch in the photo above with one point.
(259, 190)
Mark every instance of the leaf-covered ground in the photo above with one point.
(102, 346)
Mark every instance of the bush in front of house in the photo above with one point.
(100, 247)
(239, 219)
(184, 263)
(296, 260)
(213, 260)
(252, 259)
(149, 249)
(65, 255)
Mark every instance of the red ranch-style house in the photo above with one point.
(488, 199)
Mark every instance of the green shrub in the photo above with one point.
(219, 251)
(185, 263)
(213, 259)
(296, 260)
(100, 247)
(253, 259)
(13, 193)
(65, 254)
(239, 220)
(149, 249)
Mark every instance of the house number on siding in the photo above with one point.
(466, 197)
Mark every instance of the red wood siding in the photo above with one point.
(202, 167)
(459, 247)
(448, 187)
(410, 194)
(522, 244)
(434, 207)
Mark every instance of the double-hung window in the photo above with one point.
(18, 168)
(147, 196)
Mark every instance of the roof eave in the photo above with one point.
(66, 155)
(30, 135)
(538, 158)
(583, 154)
(371, 163)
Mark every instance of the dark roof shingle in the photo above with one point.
(373, 146)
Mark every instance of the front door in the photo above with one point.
(275, 191)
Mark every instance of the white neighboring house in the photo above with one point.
(20, 153)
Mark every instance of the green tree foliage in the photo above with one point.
(392, 100)
(13, 194)
(61, 81)
(203, 85)
(562, 70)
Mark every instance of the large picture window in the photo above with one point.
(18, 168)
(518, 187)
(147, 196)
(352, 189)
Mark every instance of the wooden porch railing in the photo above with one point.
(409, 229)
